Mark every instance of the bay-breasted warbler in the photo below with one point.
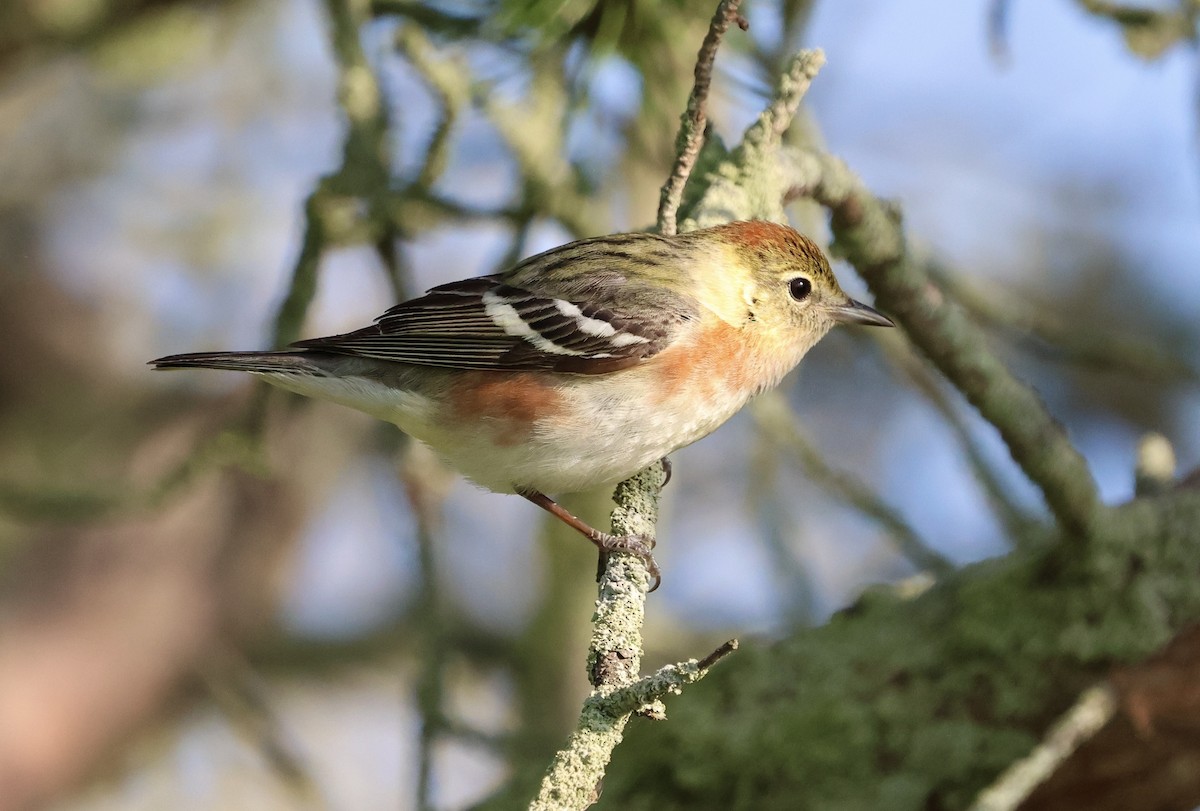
(581, 365)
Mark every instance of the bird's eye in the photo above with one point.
(800, 288)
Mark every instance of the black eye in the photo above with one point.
(799, 287)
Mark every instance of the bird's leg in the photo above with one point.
(633, 544)
(668, 469)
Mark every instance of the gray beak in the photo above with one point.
(855, 312)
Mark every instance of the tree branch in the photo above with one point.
(867, 233)
(774, 418)
(692, 124)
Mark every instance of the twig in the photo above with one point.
(753, 182)
(533, 130)
(774, 418)
(691, 128)
(717, 655)
(997, 31)
(1149, 32)
(449, 79)
(303, 286)
(235, 448)
(1094, 709)
(1156, 465)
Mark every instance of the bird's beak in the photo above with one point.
(855, 312)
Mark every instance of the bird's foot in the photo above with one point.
(639, 546)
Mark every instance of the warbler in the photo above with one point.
(582, 365)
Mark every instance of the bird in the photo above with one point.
(582, 365)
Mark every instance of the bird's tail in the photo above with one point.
(266, 362)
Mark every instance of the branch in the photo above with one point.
(1034, 324)
(771, 413)
(614, 660)
(752, 183)
(1149, 32)
(1019, 524)
(692, 126)
(333, 212)
(426, 484)
(867, 233)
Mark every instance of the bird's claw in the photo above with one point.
(637, 545)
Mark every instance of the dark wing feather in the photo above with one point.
(484, 323)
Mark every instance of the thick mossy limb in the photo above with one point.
(917, 704)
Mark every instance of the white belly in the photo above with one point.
(604, 434)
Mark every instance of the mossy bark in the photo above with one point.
(919, 704)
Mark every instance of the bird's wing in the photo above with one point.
(485, 323)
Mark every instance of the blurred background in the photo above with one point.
(212, 596)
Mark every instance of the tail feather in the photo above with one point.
(266, 362)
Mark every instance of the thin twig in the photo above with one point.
(238, 692)
(717, 655)
(753, 181)
(997, 31)
(332, 211)
(691, 128)
(450, 81)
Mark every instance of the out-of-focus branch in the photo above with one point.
(241, 694)
(1030, 322)
(533, 130)
(350, 205)
(1149, 32)
(426, 485)
(449, 79)
(867, 233)
(1018, 523)
(1091, 712)
(226, 449)
(775, 419)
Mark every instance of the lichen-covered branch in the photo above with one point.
(1097, 347)
(752, 182)
(1149, 31)
(614, 657)
(1019, 524)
